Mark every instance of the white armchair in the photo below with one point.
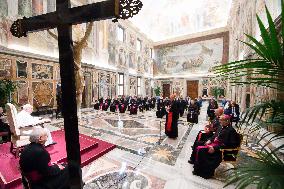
(17, 140)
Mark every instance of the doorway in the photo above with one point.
(166, 90)
(192, 89)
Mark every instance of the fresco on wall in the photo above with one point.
(41, 71)
(131, 60)
(112, 54)
(42, 94)
(132, 86)
(164, 19)
(5, 68)
(189, 58)
(147, 87)
(104, 85)
(122, 58)
(22, 92)
(132, 40)
(140, 65)
(146, 67)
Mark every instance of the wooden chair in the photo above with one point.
(17, 140)
(230, 154)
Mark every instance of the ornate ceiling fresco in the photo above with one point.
(165, 19)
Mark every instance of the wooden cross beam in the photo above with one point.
(63, 18)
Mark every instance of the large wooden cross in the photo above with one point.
(63, 19)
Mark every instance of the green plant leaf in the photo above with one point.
(276, 47)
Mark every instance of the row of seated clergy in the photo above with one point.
(121, 107)
(207, 156)
(37, 173)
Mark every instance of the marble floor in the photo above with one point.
(144, 157)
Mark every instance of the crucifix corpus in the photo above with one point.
(63, 19)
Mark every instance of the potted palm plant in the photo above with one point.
(267, 69)
(157, 91)
(216, 92)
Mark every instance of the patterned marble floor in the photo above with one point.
(145, 157)
(140, 134)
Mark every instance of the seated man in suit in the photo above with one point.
(25, 121)
(35, 165)
(209, 156)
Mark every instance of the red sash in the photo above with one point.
(199, 136)
(170, 120)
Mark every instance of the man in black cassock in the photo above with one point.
(172, 116)
(211, 108)
(193, 112)
(133, 107)
(182, 106)
(209, 157)
(35, 165)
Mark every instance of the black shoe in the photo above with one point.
(193, 172)
(190, 161)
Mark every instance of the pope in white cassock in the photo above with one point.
(25, 120)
